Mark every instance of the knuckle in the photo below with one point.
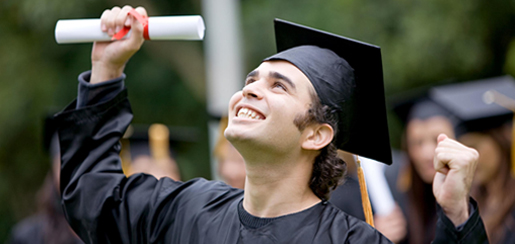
(110, 20)
(141, 10)
(120, 18)
(475, 152)
(469, 158)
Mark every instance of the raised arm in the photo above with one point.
(100, 203)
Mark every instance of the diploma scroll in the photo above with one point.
(380, 194)
(159, 28)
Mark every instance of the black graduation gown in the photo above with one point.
(347, 197)
(104, 206)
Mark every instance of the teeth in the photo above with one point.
(247, 113)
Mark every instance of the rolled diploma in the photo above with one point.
(380, 194)
(159, 28)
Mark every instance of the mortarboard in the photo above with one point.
(348, 77)
(480, 105)
(416, 104)
(472, 103)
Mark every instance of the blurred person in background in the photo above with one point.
(411, 176)
(147, 149)
(485, 110)
(494, 183)
(49, 225)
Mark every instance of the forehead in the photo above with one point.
(286, 69)
(430, 126)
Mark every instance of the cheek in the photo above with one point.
(234, 100)
(489, 160)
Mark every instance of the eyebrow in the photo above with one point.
(280, 76)
(275, 75)
(253, 73)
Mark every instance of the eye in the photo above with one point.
(279, 85)
(249, 81)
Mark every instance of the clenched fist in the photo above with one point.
(108, 59)
(455, 165)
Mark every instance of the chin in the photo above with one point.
(428, 178)
(234, 136)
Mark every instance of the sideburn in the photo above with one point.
(310, 116)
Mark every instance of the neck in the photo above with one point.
(278, 186)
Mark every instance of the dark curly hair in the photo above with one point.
(328, 169)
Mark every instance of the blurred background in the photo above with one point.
(423, 43)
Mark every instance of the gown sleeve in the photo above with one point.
(472, 231)
(101, 204)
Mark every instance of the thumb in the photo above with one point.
(441, 137)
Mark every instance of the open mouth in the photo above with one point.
(249, 114)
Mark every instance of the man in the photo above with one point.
(286, 135)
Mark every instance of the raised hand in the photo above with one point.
(455, 165)
(108, 59)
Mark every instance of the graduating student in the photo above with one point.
(319, 93)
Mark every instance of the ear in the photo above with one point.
(317, 136)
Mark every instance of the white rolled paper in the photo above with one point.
(380, 194)
(159, 28)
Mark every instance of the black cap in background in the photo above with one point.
(481, 105)
(474, 102)
(417, 104)
(350, 82)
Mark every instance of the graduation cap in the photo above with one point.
(417, 104)
(480, 105)
(348, 77)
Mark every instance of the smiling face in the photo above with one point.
(261, 115)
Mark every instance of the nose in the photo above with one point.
(253, 90)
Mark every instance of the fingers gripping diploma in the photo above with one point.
(455, 165)
(108, 59)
